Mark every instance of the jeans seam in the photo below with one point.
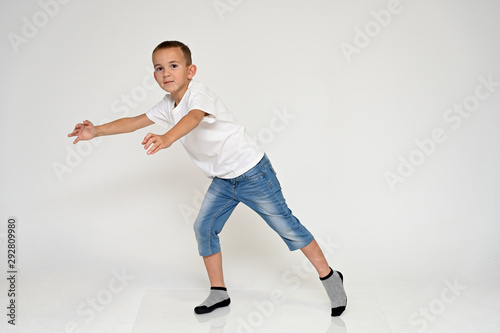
(268, 180)
(217, 214)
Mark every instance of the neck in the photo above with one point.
(177, 96)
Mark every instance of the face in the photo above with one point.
(171, 71)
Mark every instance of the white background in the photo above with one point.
(86, 210)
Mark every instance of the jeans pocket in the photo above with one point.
(254, 173)
(272, 178)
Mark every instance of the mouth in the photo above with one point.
(168, 82)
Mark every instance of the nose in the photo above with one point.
(166, 73)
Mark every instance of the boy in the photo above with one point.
(220, 147)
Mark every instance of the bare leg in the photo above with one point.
(213, 264)
(316, 257)
(332, 281)
(218, 296)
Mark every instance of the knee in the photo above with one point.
(201, 230)
(197, 227)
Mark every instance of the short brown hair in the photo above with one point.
(173, 43)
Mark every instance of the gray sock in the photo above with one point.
(334, 286)
(217, 298)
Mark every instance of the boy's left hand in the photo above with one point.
(158, 142)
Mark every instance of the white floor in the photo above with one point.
(56, 307)
(301, 311)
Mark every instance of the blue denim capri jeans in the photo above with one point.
(260, 190)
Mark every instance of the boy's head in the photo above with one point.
(173, 68)
(173, 43)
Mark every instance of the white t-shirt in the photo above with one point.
(219, 146)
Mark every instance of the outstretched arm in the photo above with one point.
(188, 123)
(87, 130)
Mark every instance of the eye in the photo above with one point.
(174, 66)
(159, 69)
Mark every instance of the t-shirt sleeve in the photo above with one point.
(202, 101)
(158, 114)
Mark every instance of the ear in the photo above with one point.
(192, 71)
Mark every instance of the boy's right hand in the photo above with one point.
(83, 131)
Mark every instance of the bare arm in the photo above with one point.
(87, 131)
(183, 127)
(123, 125)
